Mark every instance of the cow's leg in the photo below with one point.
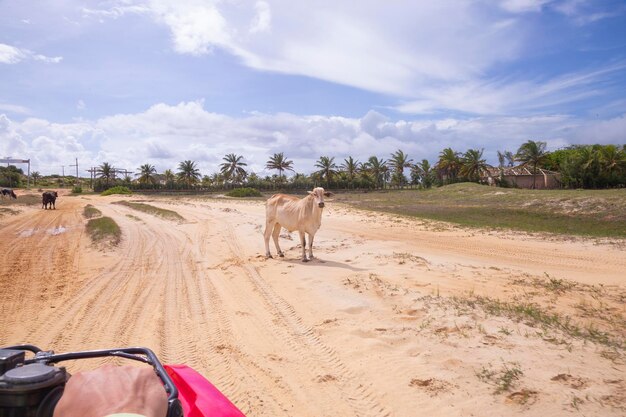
(275, 235)
(303, 242)
(311, 246)
(269, 227)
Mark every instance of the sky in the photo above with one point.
(154, 81)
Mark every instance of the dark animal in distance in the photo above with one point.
(8, 192)
(48, 198)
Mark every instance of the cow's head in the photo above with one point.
(318, 194)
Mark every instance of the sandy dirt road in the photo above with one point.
(383, 323)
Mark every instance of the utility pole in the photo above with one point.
(76, 165)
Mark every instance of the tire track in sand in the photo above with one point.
(290, 331)
(41, 252)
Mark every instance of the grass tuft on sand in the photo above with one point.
(90, 212)
(104, 230)
(155, 211)
(534, 315)
(4, 211)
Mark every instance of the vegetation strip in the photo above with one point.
(104, 229)
(592, 213)
(244, 192)
(533, 315)
(155, 211)
(118, 189)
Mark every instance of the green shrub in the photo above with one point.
(118, 189)
(244, 192)
(77, 189)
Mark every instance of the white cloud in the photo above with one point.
(433, 55)
(512, 97)
(522, 6)
(263, 19)
(14, 108)
(164, 135)
(398, 49)
(12, 55)
(196, 26)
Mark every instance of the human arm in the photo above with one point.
(113, 389)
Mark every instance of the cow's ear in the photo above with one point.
(328, 194)
(311, 192)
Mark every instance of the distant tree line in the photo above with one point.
(589, 166)
(581, 166)
(594, 166)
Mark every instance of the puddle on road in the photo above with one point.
(57, 230)
(27, 232)
(54, 231)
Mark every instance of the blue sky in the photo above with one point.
(154, 81)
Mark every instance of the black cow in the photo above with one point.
(8, 192)
(49, 198)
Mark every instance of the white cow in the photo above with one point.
(293, 213)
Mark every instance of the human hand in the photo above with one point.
(113, 389)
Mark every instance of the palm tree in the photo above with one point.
(106, 172)
(146, 174)
(232, 169)
(449, 164)
(350, 167)
(217, 179)
(428, 173)
(612, 160)
(533, 153)
(188, 173)
(35, 175)
(169, 177)
(501, 158)
(280, 163)
(473, 164)
(510, 158)
(399, 160)
(589, 157)
(422, 173)
(378, 169)
(327, 168)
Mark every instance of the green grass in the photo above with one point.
(533, 315)
(116, 190)
(244, 192)
(503, 379)
(90, 212)
(592, 213)
(155, 211)
(22, 200)
(104, 230)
